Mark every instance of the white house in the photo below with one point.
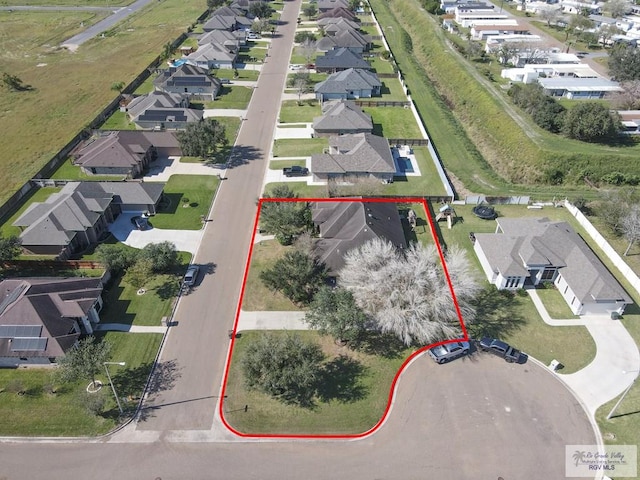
(530, 251)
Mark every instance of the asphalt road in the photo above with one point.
(476, 418)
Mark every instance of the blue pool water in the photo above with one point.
(404, 165)
(180, 61)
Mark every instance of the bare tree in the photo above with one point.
(617, 8)
(308, 49)
(631, 227)
(549, 15)
(629, 98)
(606, 32)
(407, 293)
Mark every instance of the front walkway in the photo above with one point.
(606, 376)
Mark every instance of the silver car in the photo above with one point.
(449, 351)
(191, 276)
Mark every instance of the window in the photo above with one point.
(548, 274)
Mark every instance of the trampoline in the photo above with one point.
(485, 212)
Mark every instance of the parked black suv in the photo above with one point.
(500, 348)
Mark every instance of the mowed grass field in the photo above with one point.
(72, 88)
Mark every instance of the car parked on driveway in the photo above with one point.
(295, 171)
(499, 348)
(449, 351)
(141, 223)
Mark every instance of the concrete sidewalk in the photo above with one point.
(123, 327)
(271, 321)
(606, 376)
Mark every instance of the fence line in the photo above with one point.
(381, 103)
(608, 250)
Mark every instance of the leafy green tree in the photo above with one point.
(116, 257)
(260, 25)
(590, 122)
(202, 139)
(615, 205)
(334, 312)
(213, 4)
(549, 114)
(304, 35)
(354, 5)
(309, 10)
(139, 273)
(14, 83)
(624, 63)
(117, 86)
(296, 275)
(617, 8)
(260, 9)
(163, 256)
(285, 220)
(283, 366)
(10, 248)
(84, 360)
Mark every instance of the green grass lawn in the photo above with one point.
(69, 171)
(146, 86)
(301, 189)
(291, 112)
(235, 97)
(36, 195)
(199, 190)
(280, 164)
(294, 147)
(428, 183)
(350, 410)
(124, 305)
(243, 74)
(555, 304)
(257, 297)
(421, 233)
(392, 90)
(118, 121)
(41, 412)
(393, 122)
(381, 65)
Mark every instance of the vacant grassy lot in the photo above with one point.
(291, 112)
(188, 198)
(73, 3)
(393, 122)
(235, 97)
(256, 295)
(72, 88)
(48, 408)
(352, 398)
(294, 147)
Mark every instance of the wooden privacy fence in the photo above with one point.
(409, 141)
(52, 264)
(381, 103)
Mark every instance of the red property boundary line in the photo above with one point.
(373, 429)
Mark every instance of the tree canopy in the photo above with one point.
(283, 366)
(116, 257)
(334, 312)
(590, 122)
(624, 63)
(202, 139)
(162, 256)
(297, 275)
(213, 4)
(260, 9)
(285, 220)
(84, 360)
(407, 293)
(10, 248)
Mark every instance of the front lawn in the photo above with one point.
(352, 398)
(280, 164)
(186, 199)
(393, 122)
(243, 74)
(48, 408)
(257, 297)
(236, 97)
(302, 189)
(555, 304)
(291, 112)
(295, 147)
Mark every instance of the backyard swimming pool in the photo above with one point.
(404, 165)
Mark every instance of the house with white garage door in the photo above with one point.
(529, 251)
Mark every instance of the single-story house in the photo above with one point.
(578, 88)
(480, 32)
(340, 117)
(213, 55)
(190, 80)
(227, 18)
(340, 59)
(78, 216)
(345, 225)
(326, 5)
(325, 23)
(529, 251)
(531, 72)
(42, 318)
(338, 12)
(230, 40)
(349, 84)
(630, 120)
(162, 110)
(354, 155)
(350, 39)
(576, 7)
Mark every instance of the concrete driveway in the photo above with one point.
(161, 169)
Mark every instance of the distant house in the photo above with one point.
(162, 110)
(529, 251)
(578, 88)
(326, 5)
(213, 55)
(481, 32)
(227, 18)
(340, 117)
(630, 120)
(230, 40)
(42, 318)
(190, 80)
(346, 38)
(348, 84)
(78, 216)
(354, 155)
(346, 225)
(340, 59)
(338, 12)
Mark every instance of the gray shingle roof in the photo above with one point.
(355, 153)
(156, 99)
(352, 79)
(347, 225)
(112, 150)
(342, 116)
(222, 37)
(186, 75)
(343, 38)
(213, 52)
(342, 58)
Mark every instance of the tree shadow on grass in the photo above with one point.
(495, 311)
(340, 380)
(383, 344)
(168, 289)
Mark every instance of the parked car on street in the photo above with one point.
(191, 276)
(141, 223)
(500, 348)
(449, 351)
(295, 171)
